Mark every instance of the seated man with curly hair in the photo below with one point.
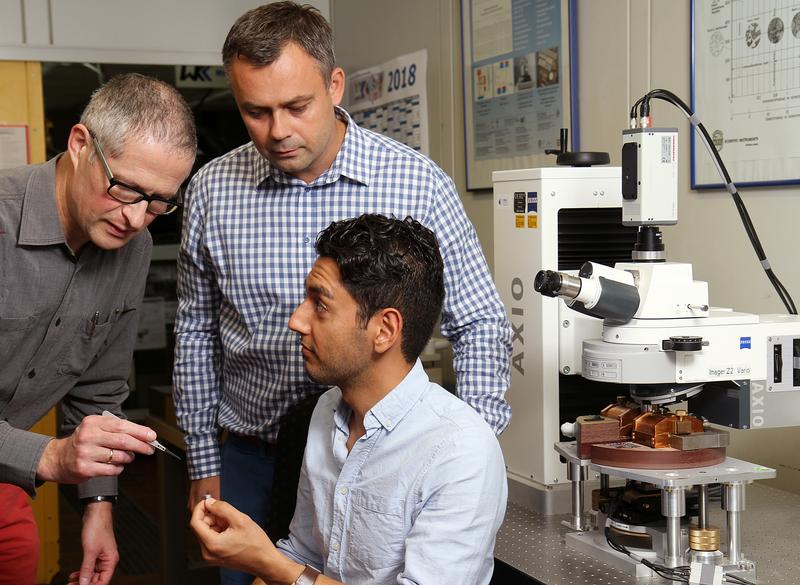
(402, 482)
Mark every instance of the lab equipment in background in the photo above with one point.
(663, 343)
(551, 217)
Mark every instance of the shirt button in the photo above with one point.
(343, 490)
(306, 240)
(32, 373)
(335, 546)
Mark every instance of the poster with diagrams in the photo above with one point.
(516, 83)
(746, 90)
(391, 99)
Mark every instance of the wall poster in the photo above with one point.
(519, 83)
(746, 90)
(392, 99)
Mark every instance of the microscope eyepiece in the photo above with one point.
(548, 283)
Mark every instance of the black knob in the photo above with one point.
(682, 343)
(576, 159)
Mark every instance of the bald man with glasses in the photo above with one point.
(74, 256)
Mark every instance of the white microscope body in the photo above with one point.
(664, 343)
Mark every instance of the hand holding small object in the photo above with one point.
(153, 443)
(98, 447)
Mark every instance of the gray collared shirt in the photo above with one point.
(67, 323)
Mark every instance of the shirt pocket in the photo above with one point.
(13, 331)
(377, 530)
(88, 342)
(12, 324)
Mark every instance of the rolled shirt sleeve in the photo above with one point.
(301, 545)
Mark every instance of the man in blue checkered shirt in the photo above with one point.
(252, 218)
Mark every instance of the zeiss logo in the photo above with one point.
(533, 201)
(744, 343)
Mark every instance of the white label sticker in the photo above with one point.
(666, 149)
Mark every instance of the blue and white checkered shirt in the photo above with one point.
(247, 246)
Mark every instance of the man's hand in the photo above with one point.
(100, 446)
(100, 555)
(231, 539)
(200, 487)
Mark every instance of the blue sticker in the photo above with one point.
(532, 202)
(744, 343)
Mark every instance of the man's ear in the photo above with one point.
(336, 88)
(389, 330)
(79, 138)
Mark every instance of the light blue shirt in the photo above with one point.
(418, 499)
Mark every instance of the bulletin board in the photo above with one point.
(520, 83)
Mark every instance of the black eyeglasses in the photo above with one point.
(128, 195)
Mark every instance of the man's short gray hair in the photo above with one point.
(261, 34)
(137, 107)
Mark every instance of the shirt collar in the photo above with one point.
(352, 160)
(40, 224)
(393, 407)
(261, 167)
(341, 414)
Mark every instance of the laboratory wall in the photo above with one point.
(625, 47)
(370, 32)
(179, 32)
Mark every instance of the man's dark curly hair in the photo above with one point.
(387, 262)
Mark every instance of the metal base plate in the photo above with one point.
(727, 471)
(535, 544)
(594, 545)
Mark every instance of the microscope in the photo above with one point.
(683, 370)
